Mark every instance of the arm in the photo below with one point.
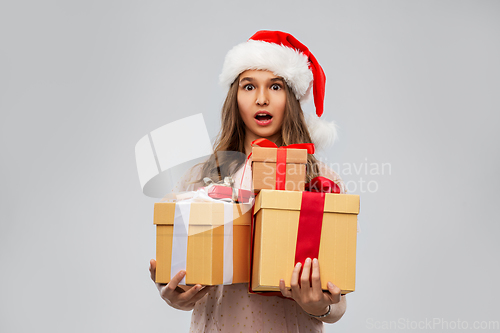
(178, 297)
(309, 295)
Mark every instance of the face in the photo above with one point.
(261, 102)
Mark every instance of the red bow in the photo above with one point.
(323, 185)
(265, 143)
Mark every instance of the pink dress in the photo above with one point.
(230, 308)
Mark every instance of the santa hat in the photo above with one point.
(282, 54)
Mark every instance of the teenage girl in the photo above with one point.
(267, 78)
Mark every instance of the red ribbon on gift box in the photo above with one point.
(281, 157)
(311, 218)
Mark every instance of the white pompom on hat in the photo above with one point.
(282, 54)
(323, 133)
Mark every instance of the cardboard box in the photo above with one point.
(264, 168)
(276, 226)
(205, 243)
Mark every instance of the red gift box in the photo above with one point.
(226, 192)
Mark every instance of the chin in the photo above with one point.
(265, 134)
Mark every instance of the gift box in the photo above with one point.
(209, 240)
(291, 226)
(279, 168)
(271, 173)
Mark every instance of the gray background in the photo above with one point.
(410, 83)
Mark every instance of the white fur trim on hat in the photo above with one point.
(290, 64)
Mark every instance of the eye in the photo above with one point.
(276, 86)
(249, 87)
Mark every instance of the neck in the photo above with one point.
(250, 137)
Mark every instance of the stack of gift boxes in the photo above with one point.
(260, 241)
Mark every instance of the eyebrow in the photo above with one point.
(251, 79)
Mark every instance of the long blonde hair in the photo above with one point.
(231, 137)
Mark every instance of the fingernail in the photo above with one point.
(308, 260)
(329, 285)
(298, 264)
(282, 281)
(315, 260)
(183, 273)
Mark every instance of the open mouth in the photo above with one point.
(263, 117)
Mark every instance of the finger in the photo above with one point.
(285, 292)
(304, 279)
(152, 269)
(187, 295)
(315, 276)
(172, 285)
(334, 293)
(201, 293)
(294, 283)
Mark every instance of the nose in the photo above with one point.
(262, 98)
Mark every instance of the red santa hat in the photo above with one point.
(282, 54)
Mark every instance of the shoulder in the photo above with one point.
(326, 171)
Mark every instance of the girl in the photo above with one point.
(267, 78)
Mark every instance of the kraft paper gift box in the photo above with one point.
(208, 248)
(278, 238)
(266, 170)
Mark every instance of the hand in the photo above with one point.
(179, 297)
(308, 294)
